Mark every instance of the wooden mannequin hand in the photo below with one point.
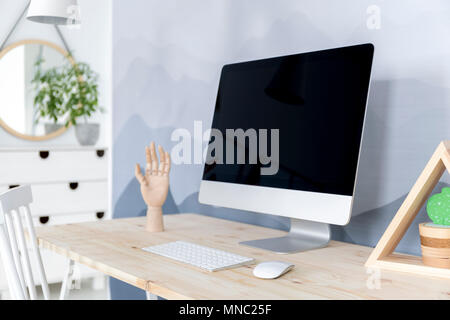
(154, 185)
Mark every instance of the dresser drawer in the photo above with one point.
(68, 219)
(20, 167)
(64, 198)
(67, 198)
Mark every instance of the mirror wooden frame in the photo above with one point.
(65, 54)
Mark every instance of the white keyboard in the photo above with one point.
(200, 256)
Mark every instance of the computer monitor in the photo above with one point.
(285, 140)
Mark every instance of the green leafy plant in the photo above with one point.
(438, 207)
(49, 98)
(69, 91)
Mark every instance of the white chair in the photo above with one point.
(14, 250)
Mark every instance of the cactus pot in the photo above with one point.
(435, 244)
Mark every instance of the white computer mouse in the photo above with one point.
(272, 269)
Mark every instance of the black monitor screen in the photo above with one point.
(292, 122)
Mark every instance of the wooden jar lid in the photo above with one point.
(431, 230)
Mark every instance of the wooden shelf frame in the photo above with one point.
(382, 256)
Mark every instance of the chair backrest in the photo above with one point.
(15, 208)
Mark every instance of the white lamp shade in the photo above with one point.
(60, 12)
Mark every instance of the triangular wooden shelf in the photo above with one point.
(382, 256)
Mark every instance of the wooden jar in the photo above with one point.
(435, 243)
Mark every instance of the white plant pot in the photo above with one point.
(87, 133)
(52, 127)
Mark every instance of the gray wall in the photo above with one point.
(166, 63)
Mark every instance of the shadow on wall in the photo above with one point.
(367, 229)
(405, 122)
(373, 148)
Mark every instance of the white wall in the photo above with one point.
(90, 43)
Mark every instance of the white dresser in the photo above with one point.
(69, 185)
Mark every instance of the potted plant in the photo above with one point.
(49, 98)
(70, 91)
(80, 83)
(435, 237)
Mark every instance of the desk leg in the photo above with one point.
(151, 296)
(67, 282)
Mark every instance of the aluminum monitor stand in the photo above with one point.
(303, 235)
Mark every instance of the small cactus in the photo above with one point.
(438, 207)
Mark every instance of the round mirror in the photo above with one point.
(21, 64)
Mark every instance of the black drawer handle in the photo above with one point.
(100, 215)
(44, 220)
(73, 185)
(100, 153)
(44, 154)
(12, 186)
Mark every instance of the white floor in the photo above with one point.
(88, 290)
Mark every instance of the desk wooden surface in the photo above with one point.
(334, 272)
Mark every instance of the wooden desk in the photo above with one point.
(335, 272)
